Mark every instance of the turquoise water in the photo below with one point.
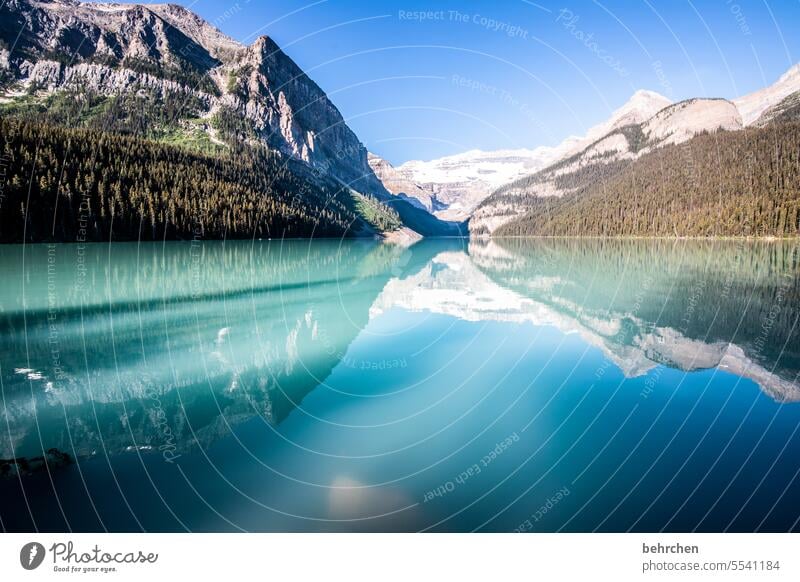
(546, 385)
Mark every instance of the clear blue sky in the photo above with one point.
(512, 73)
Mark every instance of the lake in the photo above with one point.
(508, 385)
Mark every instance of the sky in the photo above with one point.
(420, 80)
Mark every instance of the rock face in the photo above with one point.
(684, 120)
(66, 34)
(291, 113)
(399, 185)
(166, 49)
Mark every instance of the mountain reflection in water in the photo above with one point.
(138, 360)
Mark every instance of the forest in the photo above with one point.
(739, 183)
(61, 183)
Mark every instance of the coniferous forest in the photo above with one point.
(79, 183)
(740, 183)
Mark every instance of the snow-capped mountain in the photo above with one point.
(459, 183)
(628, 136)
(463, 183)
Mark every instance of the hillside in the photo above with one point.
(605, 156)
(727, 183)
(645, 124)
(78, 184)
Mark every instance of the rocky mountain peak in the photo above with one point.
(111, 48)
(265, 44)
(218, 44)
(753, 105)
(641, 106)
(294, 115)
(791, 75)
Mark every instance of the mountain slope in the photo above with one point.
(611, 152)
(754, 105)
(639, 108)
(730, 183)
(788, 109)
(79, 185)
(161, 72)
(605, 157)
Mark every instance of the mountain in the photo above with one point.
(455, 185)
(497, 188)
(400, 185)
(752, 107)
(111, 48)
(613, 158)
(459, 183)
(161, 73)
(639, 108)
(620, 137)
(788, 109)
(725, 183)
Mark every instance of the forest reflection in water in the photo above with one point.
(128, 354)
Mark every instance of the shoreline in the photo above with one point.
(405, 239)
(649, 237)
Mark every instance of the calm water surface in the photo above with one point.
(451, 386)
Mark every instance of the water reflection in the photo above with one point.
(333, 385)
(688, 305)
(110, 348)
(166, 346)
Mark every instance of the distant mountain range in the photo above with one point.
(497, 188)
(182, 99)
(458, 184)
